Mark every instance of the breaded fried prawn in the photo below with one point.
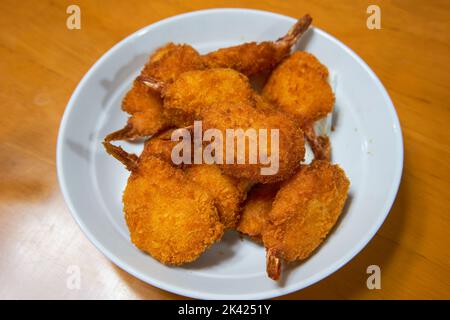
(147, 118)
(304, 211)
(191, 93)
(243, 116)
(145, 104)
(253, 58)
(175, 211)
(224, 100)
(227, 192)
(171, 60)
(299, 86)
(168, 216)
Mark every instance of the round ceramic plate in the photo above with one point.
(366, 140)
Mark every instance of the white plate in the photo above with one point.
(367, 143)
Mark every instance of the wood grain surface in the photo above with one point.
(41, 63)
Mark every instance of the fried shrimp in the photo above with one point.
(172, 60)
(235, 161)
(224, 100)
(191, 93)
(252, 58)
(304, 211)
(247, 118)
(299, 86)
(147, 114)
(143, 103)
(228, 193)
(256, 209)
(168, 216)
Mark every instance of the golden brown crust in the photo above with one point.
(173, 60)
(168, 216)
(299, 86)
(160, 146)
(249, 58)
(145, 104)
(167, 63)
(141, 124)
(162, 51)
(253, 58)
(305, 209)
(140, 98)
(247, 116)
(228, 193)
(194, 91)
(256, 209)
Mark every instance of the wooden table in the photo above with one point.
(41, 62)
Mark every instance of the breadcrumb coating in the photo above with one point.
(168, 215)
(304, 211)
(194, 91)
(253, 58)
(227, 192)
(291, 143)
(299, 86)
(256, 210)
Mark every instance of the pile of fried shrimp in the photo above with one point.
(175, 212)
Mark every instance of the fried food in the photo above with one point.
(145, 104)
(253, 58)
(256, 209)
(147, 114)
(192, 92)
(168, 216)
(304, 211)
(175, 211)
(224, 100)
(299, 86)
(256, 116)
(160, 146)
(228, 193)
(172, 60)
(141, 98)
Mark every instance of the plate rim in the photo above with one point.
(205, 295)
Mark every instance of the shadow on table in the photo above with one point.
(22, 179)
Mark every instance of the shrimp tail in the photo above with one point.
(130, 160)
